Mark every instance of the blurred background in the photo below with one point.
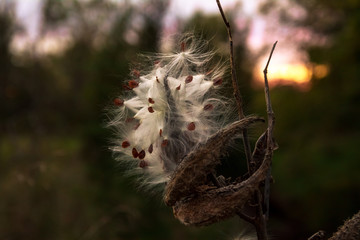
(63, 61)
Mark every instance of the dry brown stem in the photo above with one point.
(236, 89)
(320, 235)
(259, 199)
(198, 196)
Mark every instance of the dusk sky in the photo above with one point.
(288, 62)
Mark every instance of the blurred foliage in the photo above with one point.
(317, 166)
(59, 181)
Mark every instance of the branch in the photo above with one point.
(318, 236)
(237, 93)
(267, 91)
(261, 218)
(246, 217)
(271, 122)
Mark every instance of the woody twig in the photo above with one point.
(260, 199)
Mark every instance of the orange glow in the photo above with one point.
(321, 71)
(292, 73)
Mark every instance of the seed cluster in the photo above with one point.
(171, 109)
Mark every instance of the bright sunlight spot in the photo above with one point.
(298, 73)
(290, 74)
(282, 74)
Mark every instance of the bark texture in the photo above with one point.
(194, 169)
(194, 199)
(350, 230)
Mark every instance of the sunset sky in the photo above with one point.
(288, 64)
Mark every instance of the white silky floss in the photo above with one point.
(174, 107)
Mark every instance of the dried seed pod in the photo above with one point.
(195, 167)
(259, 151)
(218, 204)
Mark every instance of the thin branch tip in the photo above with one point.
(223, 14)
(236, 89)
(270, 56)
(259, 221)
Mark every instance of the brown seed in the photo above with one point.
(160, 132)
(126, 87)
(150, 109)
(157, 79)
(143, 164)
(125, 144)
(151, 101)
(118, 102)
(141, 154)
(136, 126)
(183, 45)
(178, 87)
(218, 81)
(191, 126)
(189, 79)
(128, 120)
(136, 73)
(208, 107)
(150, 150)
(164, 143)
(135, 153)
(133, 84)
